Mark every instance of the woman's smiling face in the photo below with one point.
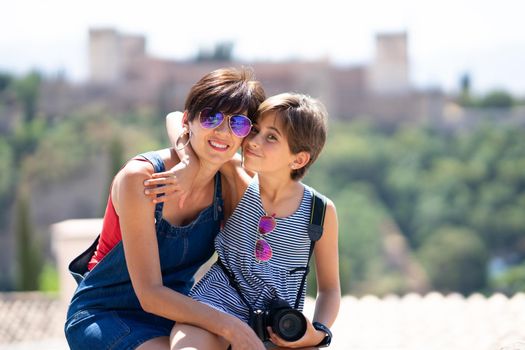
(217, 145)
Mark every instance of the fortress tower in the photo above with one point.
(112, 55)
(389, 73)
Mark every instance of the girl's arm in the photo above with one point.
(136, 214)
(326, 255)
(327, 270)
(179, 179)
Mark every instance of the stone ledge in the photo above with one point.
(409, 322)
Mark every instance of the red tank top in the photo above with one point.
(111, 234)
(109, 237)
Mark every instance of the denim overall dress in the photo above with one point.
(105, 312)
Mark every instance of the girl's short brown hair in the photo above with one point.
(229, 90)
(305, 124)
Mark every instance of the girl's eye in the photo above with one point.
(272, 137)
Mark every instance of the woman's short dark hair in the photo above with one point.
(229, 90)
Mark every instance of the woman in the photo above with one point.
(134, 279)
(264, 245)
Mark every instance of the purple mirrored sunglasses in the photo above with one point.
(263, 251)
(240, 125)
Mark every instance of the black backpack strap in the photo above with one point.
(315, 231)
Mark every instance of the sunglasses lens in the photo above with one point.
(266, 224)
(263, 251)
(210, 119)
(240, 125)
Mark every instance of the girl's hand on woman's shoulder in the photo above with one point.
(168, 185)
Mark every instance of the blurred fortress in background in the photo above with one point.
(380, 90)
(124, 77)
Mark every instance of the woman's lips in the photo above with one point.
(218, 146)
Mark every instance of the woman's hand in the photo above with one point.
(176, 182)
(242, 337)
(310, 339)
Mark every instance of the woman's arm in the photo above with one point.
(328, 286)
(136, 214)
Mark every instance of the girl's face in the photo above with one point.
(217, 145)
(266, 149)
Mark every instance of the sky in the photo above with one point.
(447, 38)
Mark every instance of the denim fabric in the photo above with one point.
(105, 312)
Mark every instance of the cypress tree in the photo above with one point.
(28, 255)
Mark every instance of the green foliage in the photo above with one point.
(359, 221)
(493, 99)
(48, 280)
(26, 137)
(511, 281)
(6, 168)
(68, 146)
(29, 259)
(5, 81)
(116, 155)
(456, 260)
(497, 99)
(27, 90)
(424, 180)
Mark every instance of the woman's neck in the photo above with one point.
(204, 176)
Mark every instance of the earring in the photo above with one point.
(190, 134)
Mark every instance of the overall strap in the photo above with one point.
(158, 166)
(315, 231)
(155, 159)
(218, 213)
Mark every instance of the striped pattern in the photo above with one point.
(259, 282)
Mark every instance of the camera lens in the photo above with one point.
(289, 324)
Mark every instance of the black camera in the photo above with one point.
(286, 322)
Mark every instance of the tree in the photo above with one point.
(27, 91)
(465, 98)
(116, 161)
(497, 99)
(29, 260)
(5, 81)
(456, 260)
(511, 281)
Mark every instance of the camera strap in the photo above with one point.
(234, 283)
(315, 231)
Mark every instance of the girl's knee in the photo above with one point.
(160, 343)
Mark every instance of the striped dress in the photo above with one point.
(259, 281)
